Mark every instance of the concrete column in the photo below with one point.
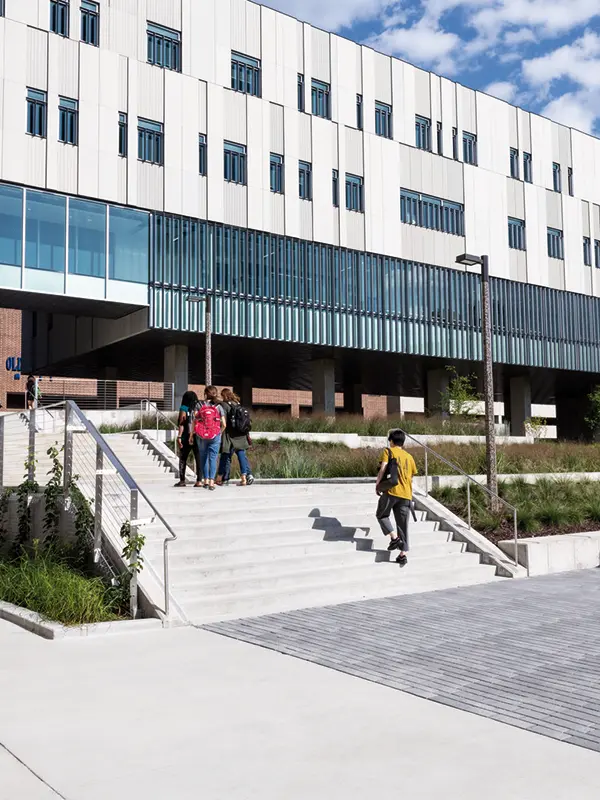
(520, 405)
(438, 381)
(394, 406)
(323, 387)
(176, 370)
(353, 393)
(244, 389)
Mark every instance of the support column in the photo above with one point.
(323, 387)
(520, 405)
(176, 370)
(244, 389)
(353, 403)
(394, 406)
(438, 381)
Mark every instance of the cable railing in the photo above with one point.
(469, 480)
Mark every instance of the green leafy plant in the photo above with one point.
(461, 397)
(536, 427)
(132, 549)
(53, 496)
(592, 418)
(25, 492)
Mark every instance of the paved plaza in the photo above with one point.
(185, 713)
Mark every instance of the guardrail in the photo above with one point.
(469, 480)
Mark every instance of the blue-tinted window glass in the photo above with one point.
(527, 168)
(90, 28)
(164, 47)
(556, 177)
(359, 112)
(597, 253)
(234, 166)
(383, 120)
(11, 225)
(423, 133)
(1, 8)
(300, 92)
(304, 180)
(245, 74)
(150, 141)
(59, 17)
(555, 243)
(469, 148)
(128, 245)
(587, 251)
(123, 135)
(514, 163)
(36, 112)
(335, 188)
(276, 173)
(68, 111)
(354, 193)
(320, 99)
(45, 231)
(87, 238)
(516, 234)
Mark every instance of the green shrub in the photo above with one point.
(46, 583)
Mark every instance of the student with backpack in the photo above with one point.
(185, 436)
(394, 487)
(236, 439)
(209, 425)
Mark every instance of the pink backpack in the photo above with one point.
(208, 422)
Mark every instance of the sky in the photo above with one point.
(542, 55)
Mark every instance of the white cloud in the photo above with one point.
(502, 89)
(576, 109)
(579, 61)
(549, 17)
(421, 44)
(333, 14)
(520, 36)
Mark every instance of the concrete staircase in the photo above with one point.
(249, 551)
(16, 447)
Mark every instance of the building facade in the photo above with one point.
(154, 151)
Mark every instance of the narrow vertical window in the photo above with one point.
(320, 99)
(234, 163)
(335, 188)
(514, 163)
(440, 139)
(305, 180)
(150, 141)
(455, 144)
(90, 23)
(597, 253)
(587, 251)
(59, 17)
(245, 74)
(555, 243)
(359, 112)
(527, 168)
(423, 133)
(2, 10)
(556, 177)
(354, 193)
(516, 234)
(276, 173)
(123, 133)
(164, 47)
(36, 113)
(570, 181)
(383, 120)
(300, 92)
(202, 162)
(67, 120)
(469, 148)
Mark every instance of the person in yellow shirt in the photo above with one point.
(396, 499)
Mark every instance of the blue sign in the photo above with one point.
(13, 364)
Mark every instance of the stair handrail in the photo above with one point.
(132, 485)
(159, 413)
(470, 480)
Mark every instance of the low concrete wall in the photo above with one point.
(456, 481)
(544, 555)
(355, 441)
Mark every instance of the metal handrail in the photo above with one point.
(131, 484)
(470, 480)
(159, 412)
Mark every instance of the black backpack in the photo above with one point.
(238, 420)
(391, 475)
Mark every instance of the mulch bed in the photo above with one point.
(506, 531)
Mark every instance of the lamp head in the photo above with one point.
(468, 260)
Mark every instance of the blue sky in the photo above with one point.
(543, 55)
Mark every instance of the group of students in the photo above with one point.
(214, 429)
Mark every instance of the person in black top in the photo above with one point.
(31, 391)
(185, 436)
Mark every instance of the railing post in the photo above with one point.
(2, 452)
(98, 505)
(141, 414)
(133, 582)
(31, 449)
(68, 452)
(517, 541)
(166, 565)
(469, 503)
(426, 474)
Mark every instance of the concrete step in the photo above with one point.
(324, 576)
(252, 603)
(194, 572)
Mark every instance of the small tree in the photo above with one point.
(592, 419)
(536, 427)
(461, 396)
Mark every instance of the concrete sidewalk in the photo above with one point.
(187, 714)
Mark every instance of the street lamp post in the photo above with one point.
(488, 372)
(207, 334)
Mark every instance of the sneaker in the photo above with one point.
(394, 544)
(179, 483)
(249, 480)
(402, 560)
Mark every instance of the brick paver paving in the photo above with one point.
(523, 652)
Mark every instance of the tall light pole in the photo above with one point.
(488, 372)
(207, 334)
